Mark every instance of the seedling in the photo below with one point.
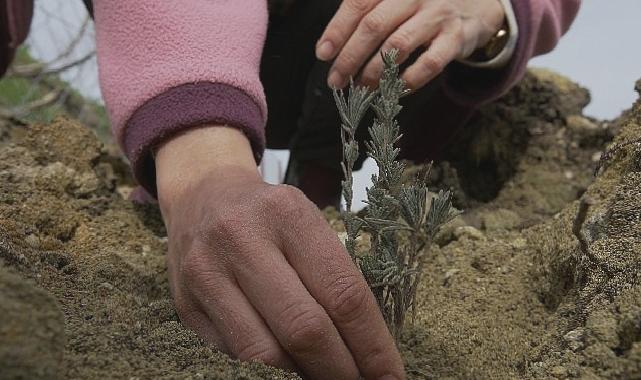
(401, 220)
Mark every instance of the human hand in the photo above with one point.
(255, 269)
(448, 29)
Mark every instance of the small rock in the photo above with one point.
(342, 236)
(596, 157)
(106, 286)
(518, 243)
(85, 183)
(33, 241)
(578, 123)
(559, 372)
(568, 174)
(446, 233)
(574, 339)
(469, 232)
(448, 275)
(603, 326)
(500, 219)
(124, 191)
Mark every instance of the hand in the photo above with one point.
(449, 29)
(256, 270)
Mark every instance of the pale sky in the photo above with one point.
(602, 52)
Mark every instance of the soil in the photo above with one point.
(539, 278)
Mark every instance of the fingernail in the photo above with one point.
(388, 377)
(325, 50)
(335, 80)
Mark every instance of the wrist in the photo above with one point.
(496, 51)
(199, 154)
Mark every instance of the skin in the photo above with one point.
(446, 29)
(254, 268)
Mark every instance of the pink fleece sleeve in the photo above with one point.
(169, 65)
(541, 24)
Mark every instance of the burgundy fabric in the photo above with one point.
(197, 95)
(188, 105)
(541, 24)
(476, 86)
(15, 20)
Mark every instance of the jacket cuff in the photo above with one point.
(504, 56)
(183, 107)
(471, 86)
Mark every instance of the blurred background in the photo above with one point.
(57, 70)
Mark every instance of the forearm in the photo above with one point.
(166, 67)
(216, 152)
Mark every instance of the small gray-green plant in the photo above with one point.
(401, 220)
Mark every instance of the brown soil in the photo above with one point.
(539, 278)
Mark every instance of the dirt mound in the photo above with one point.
(64, 226)
(539, 278)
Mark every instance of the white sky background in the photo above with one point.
(602, 52)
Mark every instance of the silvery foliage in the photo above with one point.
(401, 220)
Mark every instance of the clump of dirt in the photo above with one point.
(72, 247)
(539, 277)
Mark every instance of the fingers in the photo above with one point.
(300, 324)
(192, 317)
(238, 327)
(416, 32)
(341, 27)
(327, 271)
(443, 50)
(371, 31)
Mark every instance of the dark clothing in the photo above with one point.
(302, 113)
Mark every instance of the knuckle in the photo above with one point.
(305, 327)
(459, 36)
(432, 64)
(448, 12)
(284, 199)
(400, 41)
(226, 231)
(202, 277)
(359, 6)
(185, 311)
(374, 23)
(346, 63)
(260, 351)
(192, 267)
(377, 358)
(370, 80)
(350, 298)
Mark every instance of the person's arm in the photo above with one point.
(253, 267)
(167, 66)
(442, 31)
(541, 23)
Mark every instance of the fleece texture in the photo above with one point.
(148, 50)
(166, 66)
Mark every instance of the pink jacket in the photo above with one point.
(169, 65)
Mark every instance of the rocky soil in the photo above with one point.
(539, 278)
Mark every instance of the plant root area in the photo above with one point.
(539, 278)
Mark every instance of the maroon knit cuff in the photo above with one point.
(472, 86)
(183, 107)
